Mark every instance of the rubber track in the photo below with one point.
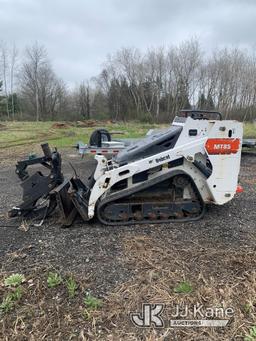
(127, 192)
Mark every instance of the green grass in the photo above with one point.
(92, 303)
(54, 279)
(183, 288)
(250, 130)
(14, 293)
(252, 334)
(28, 133)
(7, 304)
(14, 280)
(71, 287)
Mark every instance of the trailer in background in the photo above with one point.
(101, 143)
(249, 143)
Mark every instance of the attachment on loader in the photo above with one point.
(43, 193)
(37, 187)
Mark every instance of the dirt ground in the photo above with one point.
(127, 266)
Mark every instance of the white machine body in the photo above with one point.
(211, 153)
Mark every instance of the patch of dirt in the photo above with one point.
(87, 123)
(59, 125)
(2, 126)
(94, 123)
(128, 266)
(10, 156)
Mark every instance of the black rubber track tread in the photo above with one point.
(127, 192)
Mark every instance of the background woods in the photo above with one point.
(148, 86)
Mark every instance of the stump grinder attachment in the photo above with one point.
(167, 176)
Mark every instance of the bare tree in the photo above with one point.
(154, 85)
(40, 87)
(84, 105)
(36, 59)
(12, 71)
(5, 66)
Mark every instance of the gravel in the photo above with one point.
(97, 251)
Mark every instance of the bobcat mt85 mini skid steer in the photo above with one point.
(167, 176)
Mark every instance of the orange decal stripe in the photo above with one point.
(222, 146)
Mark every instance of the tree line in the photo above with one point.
(149, 86)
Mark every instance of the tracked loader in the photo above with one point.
(168, 176)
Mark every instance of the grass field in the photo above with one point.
(25, 133)
(15, 134)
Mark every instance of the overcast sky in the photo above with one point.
(78, 34)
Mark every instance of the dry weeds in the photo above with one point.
(219, 278)
(226, 279)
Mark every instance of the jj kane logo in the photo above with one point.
(150, 316)
(181, 316)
